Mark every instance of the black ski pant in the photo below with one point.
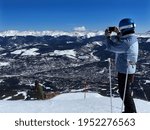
(128, 102)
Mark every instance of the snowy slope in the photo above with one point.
(70, 103)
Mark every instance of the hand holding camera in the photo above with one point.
(109, 30)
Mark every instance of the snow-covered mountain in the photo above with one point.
(71, 103)
(76, 33)
(146, 34)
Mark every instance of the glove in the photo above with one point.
(116, 30)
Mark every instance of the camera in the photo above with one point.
(111, 29)
(114, 29)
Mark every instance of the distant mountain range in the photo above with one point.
(76, 33)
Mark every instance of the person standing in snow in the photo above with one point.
(125, 45)
(39, 90)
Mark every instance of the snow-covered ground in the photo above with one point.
(69, 53)
(31, 51)
(70, 103)
(4, 63)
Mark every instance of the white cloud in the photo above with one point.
(82, 28)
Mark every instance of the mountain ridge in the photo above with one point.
(77, 33)
(57, 33)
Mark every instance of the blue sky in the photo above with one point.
(67, 14)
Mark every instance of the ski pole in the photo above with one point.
(125, 87)
(110, 84)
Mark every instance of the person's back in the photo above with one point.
(125, 45)
(127, 59)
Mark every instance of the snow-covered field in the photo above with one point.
(68, 53)
(4, 63)
(70, 103)
(31, 51)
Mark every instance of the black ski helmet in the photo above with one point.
(126, 25)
